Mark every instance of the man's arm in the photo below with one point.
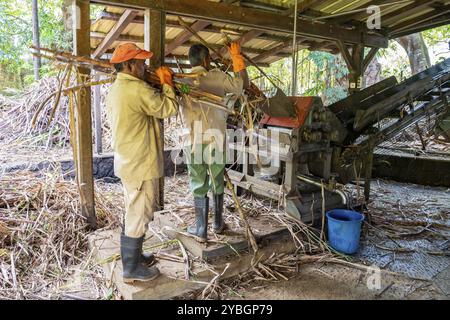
(155, 104)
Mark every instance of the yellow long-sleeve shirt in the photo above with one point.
(133, 110)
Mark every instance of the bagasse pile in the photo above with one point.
(42, 233)
(18, 137)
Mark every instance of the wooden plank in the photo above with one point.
(184, 36)
(188, 44)
(429, 24)
(306, 4)
(81, 47)
(175, 24)
(346, 108)
(275, 50)
(418, 20)
(400, 94)
(255, 19)
(171, 282)
(405, 11)
(127, 16)
(346, 55)
(246, 37)
(231, 241)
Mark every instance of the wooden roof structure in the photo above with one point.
(265, 27)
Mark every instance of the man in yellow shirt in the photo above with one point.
(205, 140)
(134, 109)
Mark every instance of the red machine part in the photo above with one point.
(302, 106)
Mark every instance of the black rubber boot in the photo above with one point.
(200, 229)
(133, 269)
(218, 225)
(147, 259)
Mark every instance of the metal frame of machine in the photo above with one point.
(318, 148)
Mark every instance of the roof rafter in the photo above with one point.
(416, 6)
(429, 24)
(185, 35)
(257, 19)
(421, 19)
(127, 16)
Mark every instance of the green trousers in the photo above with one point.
(206, 171)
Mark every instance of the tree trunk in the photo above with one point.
(36, 59)
(417, 52)
(372, 74)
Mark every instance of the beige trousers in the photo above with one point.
(141, 201)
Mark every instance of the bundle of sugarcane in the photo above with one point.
(182, 88)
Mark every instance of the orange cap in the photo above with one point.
(128, 51)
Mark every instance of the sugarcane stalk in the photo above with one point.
(249, 233)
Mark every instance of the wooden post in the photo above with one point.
(154, 34)
(36, 42)
(368, 173)
(355, 64)
(98, 117)
(82, 47)
(355, 77)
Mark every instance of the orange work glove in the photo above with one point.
(165, 75)
(236, 57)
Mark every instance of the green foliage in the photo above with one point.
(318, 73)
(395, 62)
(437, 35)
(16, 36)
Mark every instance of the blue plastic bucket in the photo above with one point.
(344, 229)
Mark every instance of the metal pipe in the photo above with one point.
(318, 184)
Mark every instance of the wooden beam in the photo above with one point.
(346, 55)
(185, 36)
(81, 47)
(246, 37)
(421, 19)
(429, 24)
(211, 28)
(114, 33)
(306, 4)
(273, 51)
(406, 11)
(255, 19)
(355, 64)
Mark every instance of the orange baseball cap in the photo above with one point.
(128, 51)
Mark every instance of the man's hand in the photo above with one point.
(165, 75)
(234, 48)
(236, 57)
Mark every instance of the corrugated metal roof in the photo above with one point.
(213, 33)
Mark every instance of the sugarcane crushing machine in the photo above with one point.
(304, 160)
